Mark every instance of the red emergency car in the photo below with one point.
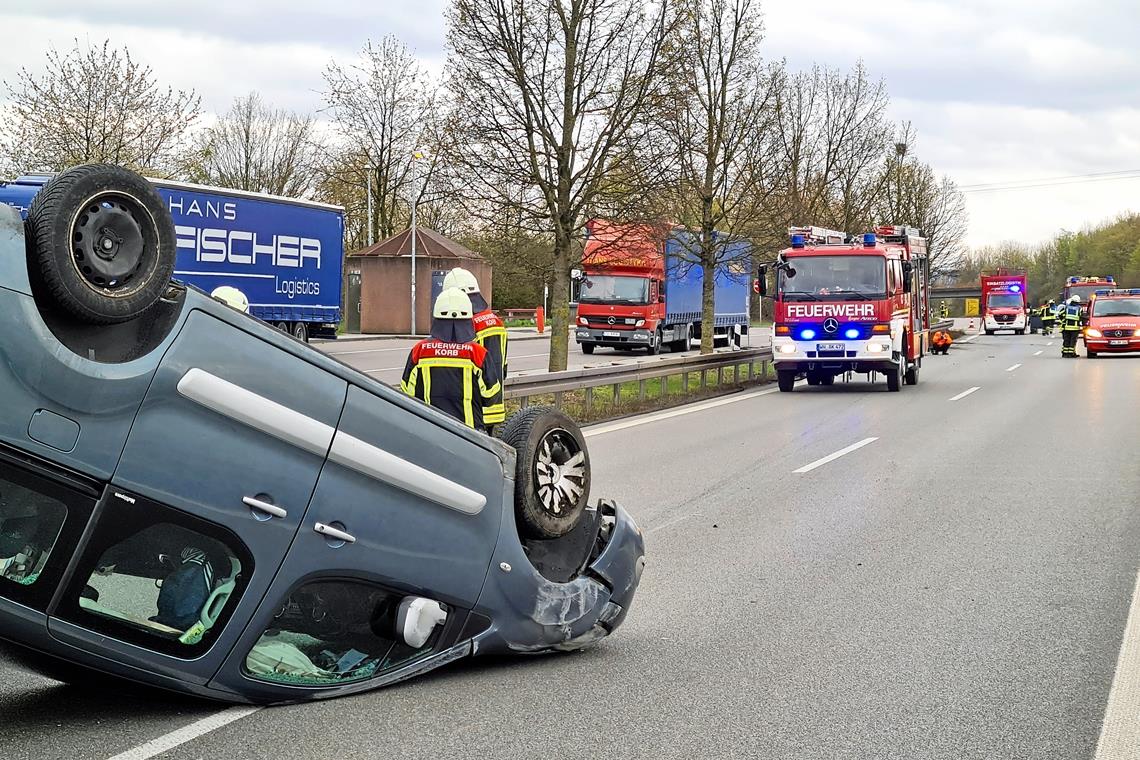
(1114, 322)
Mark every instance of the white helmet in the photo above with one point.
(233, 297)
(452, 303)
(462, 279)
(1075, 299)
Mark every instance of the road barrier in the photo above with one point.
(524, 388)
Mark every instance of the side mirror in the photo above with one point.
(575, 274)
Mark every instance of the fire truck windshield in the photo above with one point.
(1116, 307)
(604, 288)
(1004, 300)
(834, 277)
(1084, 291)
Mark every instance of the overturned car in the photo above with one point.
(194, 500)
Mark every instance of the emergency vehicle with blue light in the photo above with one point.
(1085, 288)
(1113, 322)
(846, 304)
(1005, 305)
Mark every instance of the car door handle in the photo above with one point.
(331, 532)
(263, 506)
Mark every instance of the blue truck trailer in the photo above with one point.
(639, 288)
(285, 255)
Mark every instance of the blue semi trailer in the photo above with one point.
(285, 255)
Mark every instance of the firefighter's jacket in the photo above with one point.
(1048, 314)
(491, 334)
(451, 377)
(1071, 320)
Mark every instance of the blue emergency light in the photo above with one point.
(1109, 278)
(807, 334)
(1015, 288)
(797, 241)
(852, 333)
(869, 239)
(1101, 293)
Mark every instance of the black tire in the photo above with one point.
(786, 379)
(283, 327)
(545, 438)
(812, 379)
(895, 377)
(912, 371)
(1092, 354)
(101, 243)
(1020, 332)
(990, 332)
(587, 348)
(654, 346)
(300, 332)
(827, 380)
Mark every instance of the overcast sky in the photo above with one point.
(999, 90)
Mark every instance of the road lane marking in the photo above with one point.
(688, 409)
(185, 734)
(1120, 731)
(965, 393)
(972, 337)
(1049, 344)
(833, 457)
(366, 351)
(1039, 352)
(671, 523)
(1011, 369)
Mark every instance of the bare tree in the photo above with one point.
(385, 108)
(713, 129)
(545, 92)
(96, 104)
(258, 148)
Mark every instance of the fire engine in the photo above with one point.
(1085, 288)
(845, 304)
(1005, 305)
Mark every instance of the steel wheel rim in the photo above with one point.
(111, 233)
(559, 471)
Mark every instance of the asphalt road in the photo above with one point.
(527, 354)
(956, 587)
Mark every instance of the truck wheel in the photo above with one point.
(301, 331)
(1020, 332)
(282, 326)
(786, 379)
(587, 348)
(101, 243)
(895, 377)
(812, 379)
(1092, 354)
(912, 373)
(552, 471)
(654, 343)
(827, 380)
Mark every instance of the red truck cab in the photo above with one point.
(1113, 322)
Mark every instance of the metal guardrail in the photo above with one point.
(616, 375)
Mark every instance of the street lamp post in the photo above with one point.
(368, 187)
(415, 200)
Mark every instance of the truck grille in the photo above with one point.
(1118, 333)
(1003, 318)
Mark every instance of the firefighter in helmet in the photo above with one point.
(943, 309)
(448, 369)
(1048, 317)
(491, 334)
(1070, 327)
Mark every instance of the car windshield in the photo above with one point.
(1004, 300)
(1116, 307)
(1084, 291)
(604, 288)
(838, 278)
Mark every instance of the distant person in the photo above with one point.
(1048, 317)
(1071, 327)
(448, 370)
(491, 334)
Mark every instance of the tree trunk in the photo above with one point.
(709, 257)
(559, 317)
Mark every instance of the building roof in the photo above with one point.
(428, 243)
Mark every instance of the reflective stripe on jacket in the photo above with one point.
(450, 377)
(491, 334)
(1072, 317)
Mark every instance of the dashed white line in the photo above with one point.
(1049, 343)
(185, 734)
(1120, 731)
(1038, 353)
(965, 393)
(688, 409)
(832, 457)
(1011, 369)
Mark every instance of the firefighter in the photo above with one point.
(1070, 327)
(491, 334)
(1048, 317)
(447, 370)
(943, 310)
(941, 342)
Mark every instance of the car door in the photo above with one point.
(215, 477)
(405, 505)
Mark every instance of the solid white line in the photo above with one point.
(1049, 343)
(965, 393)
(972, 337)
(1120, 730)
(367, 351)
(671, 523)
(1011, 369)
(1039, 352)
(188, 733)
(688, 409)
(833, 457)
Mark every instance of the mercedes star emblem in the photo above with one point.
(831, 325)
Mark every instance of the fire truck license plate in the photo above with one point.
(830, 347)
(611, 335)
(1118, 343)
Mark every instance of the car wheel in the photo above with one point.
(895, 377)
(786, 379)
(101, 243)
(301, 332)
(552, 471)
(1092, 354)
(587, 348)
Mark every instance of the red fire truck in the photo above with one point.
(848, 304)
(1005, 305)
(1085, 288)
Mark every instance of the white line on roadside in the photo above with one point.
(833, 457)
(965, 393)
(972, 337)
(688, 409)
(1011, 369)
(671, 523)
(366, 351)
(1038, 353)
(1120, 731)
(1049, 343)
(185, 734)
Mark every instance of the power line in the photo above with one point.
(1083, 180)
(980, 185)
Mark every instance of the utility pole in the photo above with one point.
(415, 200)
(368, 187)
